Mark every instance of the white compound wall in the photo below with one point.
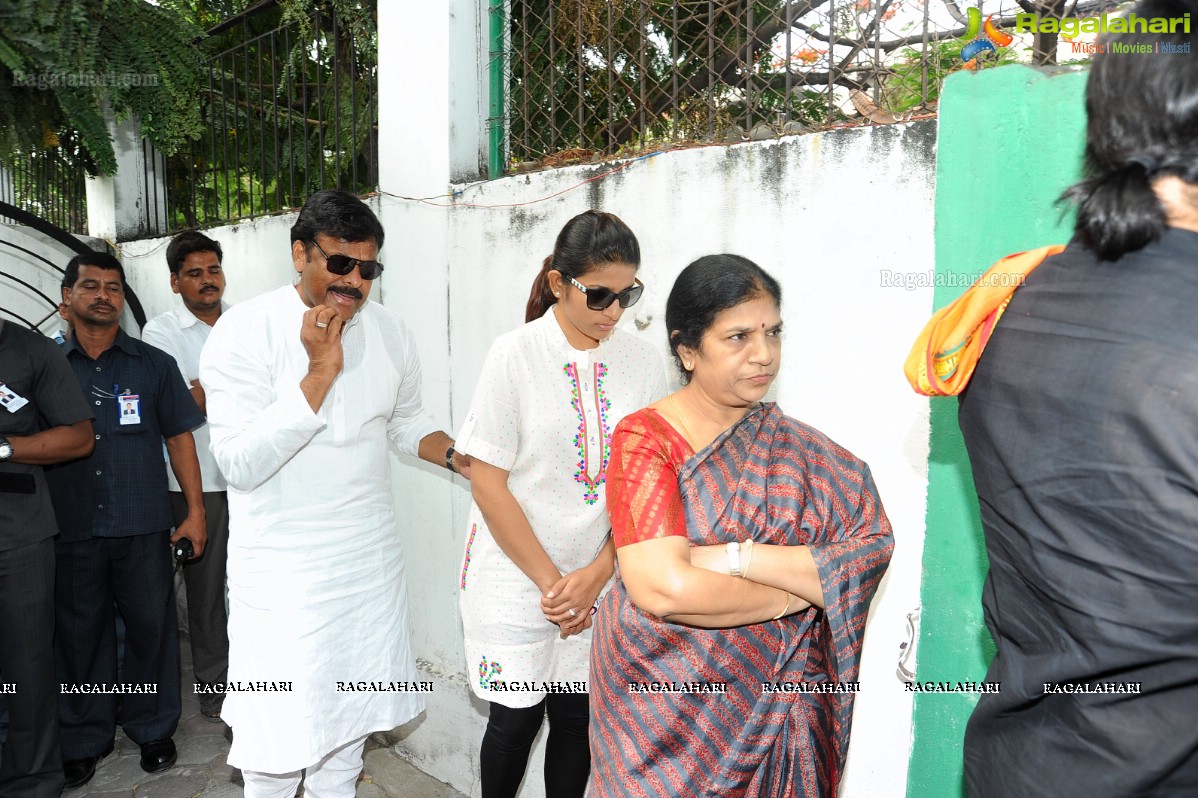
(843, 219)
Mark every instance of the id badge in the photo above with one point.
(10, 400)
(130, 408)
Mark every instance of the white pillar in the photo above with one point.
(132, 202)
(431, 117)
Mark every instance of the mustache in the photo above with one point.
(346, 290)
(98, 305)
(208, 289)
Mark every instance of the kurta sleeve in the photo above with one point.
(491, 431)
(409, 422)
(643, 499)
(255, 425)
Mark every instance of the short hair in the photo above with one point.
(1142, 120)
(704, 290)
(188, 243)
(590, 239)
(100, 260)
(338, 214)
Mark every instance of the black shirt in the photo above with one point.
(32, 367)
(1081, 422)
(121, 489)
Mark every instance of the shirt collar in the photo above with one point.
(188, 319)
(123, 341)
(558, 336)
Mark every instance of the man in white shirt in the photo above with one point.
(305, 385)
(197, 276)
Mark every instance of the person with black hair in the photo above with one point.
(750, 547)
(114, 520)
(538, 551)
(197, 275)
(1079, 421)
(305, 385)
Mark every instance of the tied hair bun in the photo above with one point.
(1150, 165)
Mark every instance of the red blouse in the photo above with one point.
(643, 498)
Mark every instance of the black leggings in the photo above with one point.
(508, 741)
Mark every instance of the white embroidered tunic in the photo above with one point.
(544, 411)
(317, 588)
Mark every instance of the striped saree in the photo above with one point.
(775, 480)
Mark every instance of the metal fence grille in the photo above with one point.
(49, 184)
(289, 109)
(602, 77)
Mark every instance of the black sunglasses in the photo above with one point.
(344, 264)
(601, 298)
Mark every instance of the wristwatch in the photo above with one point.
(449, 453)
(5, 449)
(733, 558)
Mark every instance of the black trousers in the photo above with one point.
(136, 572)
(207, 621)
(30, 766)
(509, 738)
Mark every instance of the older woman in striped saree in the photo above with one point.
(749, 548)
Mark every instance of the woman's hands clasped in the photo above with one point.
(577, 591)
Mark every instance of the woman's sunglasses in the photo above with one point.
(344, 264)
(601, 298)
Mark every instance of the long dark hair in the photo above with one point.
(1142, 123)
(707, 288)
(589, 239)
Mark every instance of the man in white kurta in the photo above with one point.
(305, 386)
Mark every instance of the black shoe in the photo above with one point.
(158, 755)
(80, 771)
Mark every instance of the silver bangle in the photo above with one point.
(748, 546)
(733, 549)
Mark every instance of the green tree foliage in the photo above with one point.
(604, 73)
(288, 101)
(613, 75)
(62, 62)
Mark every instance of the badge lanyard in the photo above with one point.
(10, 400)
(128, 404)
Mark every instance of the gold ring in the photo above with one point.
(573, 614)
(321, 324)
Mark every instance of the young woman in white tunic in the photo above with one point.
(538, 546)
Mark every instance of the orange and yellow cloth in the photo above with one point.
(947, 351)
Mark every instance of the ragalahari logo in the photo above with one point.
(982, 38)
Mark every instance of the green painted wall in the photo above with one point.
(1010, 141)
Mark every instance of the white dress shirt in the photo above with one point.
(182, 336)
(317, 588)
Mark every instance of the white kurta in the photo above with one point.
(544, 411)
(317, 590)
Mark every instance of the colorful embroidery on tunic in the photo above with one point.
(487, 673)
(582, 473)
(469, 546)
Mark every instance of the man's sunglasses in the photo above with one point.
(344, 264)
(601, 298)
